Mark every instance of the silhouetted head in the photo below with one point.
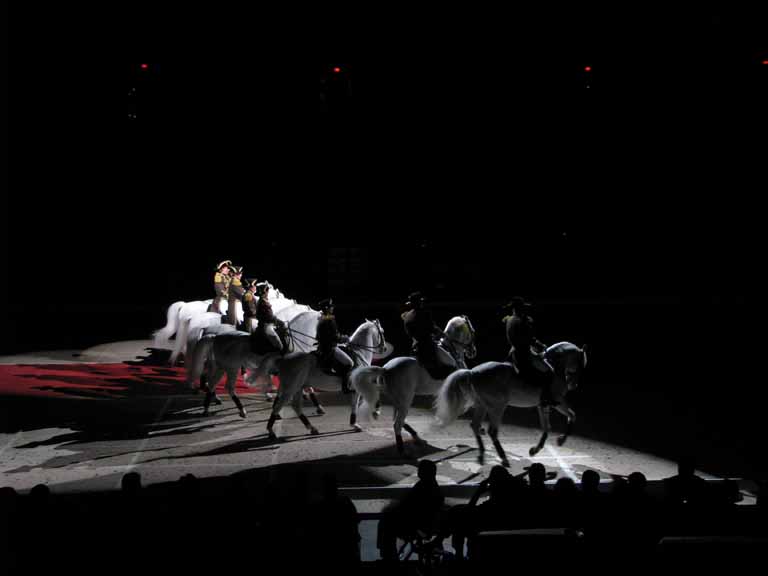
(8, 498)
(498, 480)
(415, 300)
(590, 481)
(636, 482)
(537, 474)
(40, 494)
(326, 306)
(427, 470)
(565, 487)
(517, 305)
(131, 482)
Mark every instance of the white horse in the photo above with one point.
(403, 378)
(190, 319)
(177, 312)
(210, 323)
(231, 351)
(300, 370)
(492, 386)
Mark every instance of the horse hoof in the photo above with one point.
(357, 428)
(376, 414)
(561, 440)
(278, 417)
(216, 400)
(505, 463)
(314, 431)
(533, 451)
(481, 459)
(242, 412)
(272, 436)
(320, 411)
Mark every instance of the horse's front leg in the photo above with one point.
(568, 412)
(398, 427)
(296, 404)
(214, 375)
(231, 381)
(356, 399)
(544, 421)
(313, 397)
(416, 438)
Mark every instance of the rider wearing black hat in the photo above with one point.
(221, 281)
(236, 292)
(418, 324)
(249, 304)
(526, 351)
(270, 327)
(328, 338)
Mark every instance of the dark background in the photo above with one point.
(468, 154)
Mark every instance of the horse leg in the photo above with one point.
(568, 412)
(231, 380)
(319, 409)
(476, 425)
(271, 423)
(398, 426)
(544, 421)
(493, 432)
(356, 398)
(304, 420)
(210, 389)
(416, 438)
(214, 375)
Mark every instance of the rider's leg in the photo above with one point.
(343, 365)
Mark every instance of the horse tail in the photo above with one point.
(180, 345)
(452, 400)
(162, 336)
(366, 380)
(196, 359)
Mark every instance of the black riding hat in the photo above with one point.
(517, 303)
(325, 304)
(414, 299)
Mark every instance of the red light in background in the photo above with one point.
(336, 70)
(587, 68)
(144, 66)
(765, 62)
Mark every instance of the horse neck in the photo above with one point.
(362, 342)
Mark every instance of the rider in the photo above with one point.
(221, 284)
(249, 304)
(270, 328)
(526, 352)
(235, 294)
(418, 324)
(328, 337)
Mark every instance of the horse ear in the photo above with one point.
(584, 354)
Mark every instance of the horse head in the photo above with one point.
(460, 333)
(569, 361)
